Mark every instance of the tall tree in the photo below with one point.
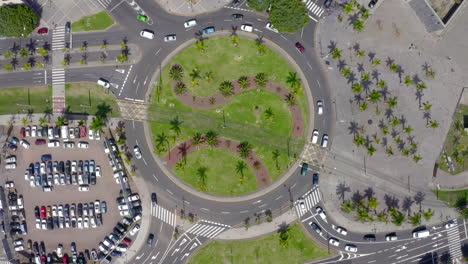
(161, 141)
(243, 82)
(175, 125)
(293, 80)
(212, 138)
(226, 88)
(288, 16)
(17, 20)
(244, 149)
(201, 173)
(197, 139)
(240, 167)
(176, 72)
(261, 79)
(276, 155)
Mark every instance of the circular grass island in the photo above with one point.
(228, 116)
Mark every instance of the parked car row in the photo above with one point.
(10, 162)
(18, 219)
(14, 142)
(63, 132)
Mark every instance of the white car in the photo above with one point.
(124, 213)
(190, 23)
(97, 136)
(44, 224)
(246, 27)
(19, 248)
(60, 251)
(9, 184)
(319, 107)
(56, 179)
(137, 218)
(10, 166)
(54, 210)
(32, 181)
(68, 144)
(34, 131)
(134, 197)
(146, 34)
(123, 207)
(169, 38)
(83, 188)
(137, 152)
(118, 174)
(92, 222)
(38, 223)
(42, 168)
(103, 249)
(91, 134)
(50, 133)
(270, 27)
(315, 136)
(135, 229)
(86, 222)
(321, 212)
(24, 144)
(334, 242)
(450, 224)
(302, 204)
(71, 133)
(60, 210)
(324, 141)
(350, 248)
(124, 179)
(53, 144)
(83, 145)
(73, 166)
(10, 159)
(79, 223)
(98, 171)
(103, 83)
(341, 230)
(121, 248)
(97, 207)
(28, 131)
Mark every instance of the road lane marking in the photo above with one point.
(318, 83)
(155, 178)
(204, 209)
(242, 212)
(259, 201)
(279, 197)
(310, 66)
(169, 191)
(157, 51)
(145, 161)
(263, 205)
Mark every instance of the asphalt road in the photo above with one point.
(171, 197)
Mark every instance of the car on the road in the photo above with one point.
(319, 107)
(450, 224)
(246, 27)
(370, 238)
(304, 168)
(334, 242)
(372, 3)
(350, 248)
(320, 212)
(43, 30)
(327, 3)
(269, 26)
(137, 152)
(154, 199)
(302, 204)
(391, 237)
(146, 34)
(142, 18)
(324, 141)
(190, 23)
(171, 37)
(315, 179)
(237, 16)
(421, 233)
(299, 47)
(208, 30)
(150, 239)
(315, 227)
(104, 83)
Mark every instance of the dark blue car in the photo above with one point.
(116, 254)
(36, 168)
(208, 30)
(12, 147)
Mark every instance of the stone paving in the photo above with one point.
(192, 7)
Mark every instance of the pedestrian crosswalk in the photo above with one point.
(453, 236)
(58, 76)
(307, 201)
(163, 214)
(104, 3)
(313, 8)
(58, 38)
(207, 229)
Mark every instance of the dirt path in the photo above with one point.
(261, 174)
(204, 103)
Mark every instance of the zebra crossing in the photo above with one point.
(453, 236)
(104, 3)
(58, 76)
(207, 229)
(58, 38)
(308, 201)
(163, 214)
(313, 8)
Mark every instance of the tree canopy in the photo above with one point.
(17, 20)
(288, 15)
(259, 5)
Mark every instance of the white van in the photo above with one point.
(146, 34)
(103, 83)
(246, 27)
(64, 132)
(190, 23)
(421, 234)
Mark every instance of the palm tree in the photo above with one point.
(197, 139)
(382, 217)
(359, 141)
(226, 88)
(376, 62)
(261, 48)
(363, 106)
(212, 138)
(201, 173)
(392, 102)
(421, 86)
(365, 77)
(276, 155)
(43, 52)
(61, 120)
(336, 54)
(365, 13)
(430, 74)
(397, 216)
(240, 167)
(235, 40)
(261, 79)
(195, 74)
(381, 84)
(371, 150)
(427, 106)
(269, 114)
(243, 82)
(373, 203)
(180, 88)
(347, 206)
(27, 66)
(358, 25)
(374, 97)
(458, 125)
(42, 121)
(408, 81)
(408, 130)
(176, 72)
(360, 53)
(200, 45)
(175, 125)
(122, 58)
(415, 220)
(393, 67)
(428, 214)
(357, 88)
(162, 139)
(8, 54)
(97, 124)
(293, 80)
(23, 53)
(8, 67)
(346, 72)
(24, 121)
(395, 122)
(209, 76)
(434, 124)
(244, 149)
(349, 8)
(389, 151)
(290, 99)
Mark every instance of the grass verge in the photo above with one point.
(451, 196)
(84, 98)
(299, 249)
(99, 21)
(221, 175)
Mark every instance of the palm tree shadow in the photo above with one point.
(381, 124)
(351, 78)
(384, 142)
(233, 30)
(384, 92)
(369, 193)
(388, 113)
(425, 67)
(31, 46)
(353, 128)
(331, 47)
(360, 67)
(401, 146)
(375, 75)
(341, 65)
(341, 190)
(403, 121)
(394, 133)
(357, 197)
(391, 201)
(183, 150)
(416, 79)
(419, 95)
(358, 98)
(366, 85)
(371, 56)
(400, 72)
(356, 47)
(353, 18)
(407, 203)
(427, 116)
(389, 61)
(283, 227)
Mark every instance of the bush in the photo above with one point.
(288, 15)
(17, 21)
(259, 5)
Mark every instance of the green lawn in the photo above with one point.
(17, 100)
(450, 196)
(99, 21)
(222, 178)
(299, 249)
(85, 97)
(456, 143)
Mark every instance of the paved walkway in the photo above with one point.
(58, 72)
(192, 7)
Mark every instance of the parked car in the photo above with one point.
(369, 238)
(315, 179)
(83, 188)
(24, 144)
(372, 3)
(53, 144)
(22, 132)
(83, 145)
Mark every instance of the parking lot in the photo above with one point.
(105, 189)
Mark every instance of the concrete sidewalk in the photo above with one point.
(192, 7)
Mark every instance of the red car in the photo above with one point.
(65, 259)
(42, 31)
(40, 141)
(82, 131)
(43, 212)
(23, 132)
(43, 259)
(299, 47)
(127, 241)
